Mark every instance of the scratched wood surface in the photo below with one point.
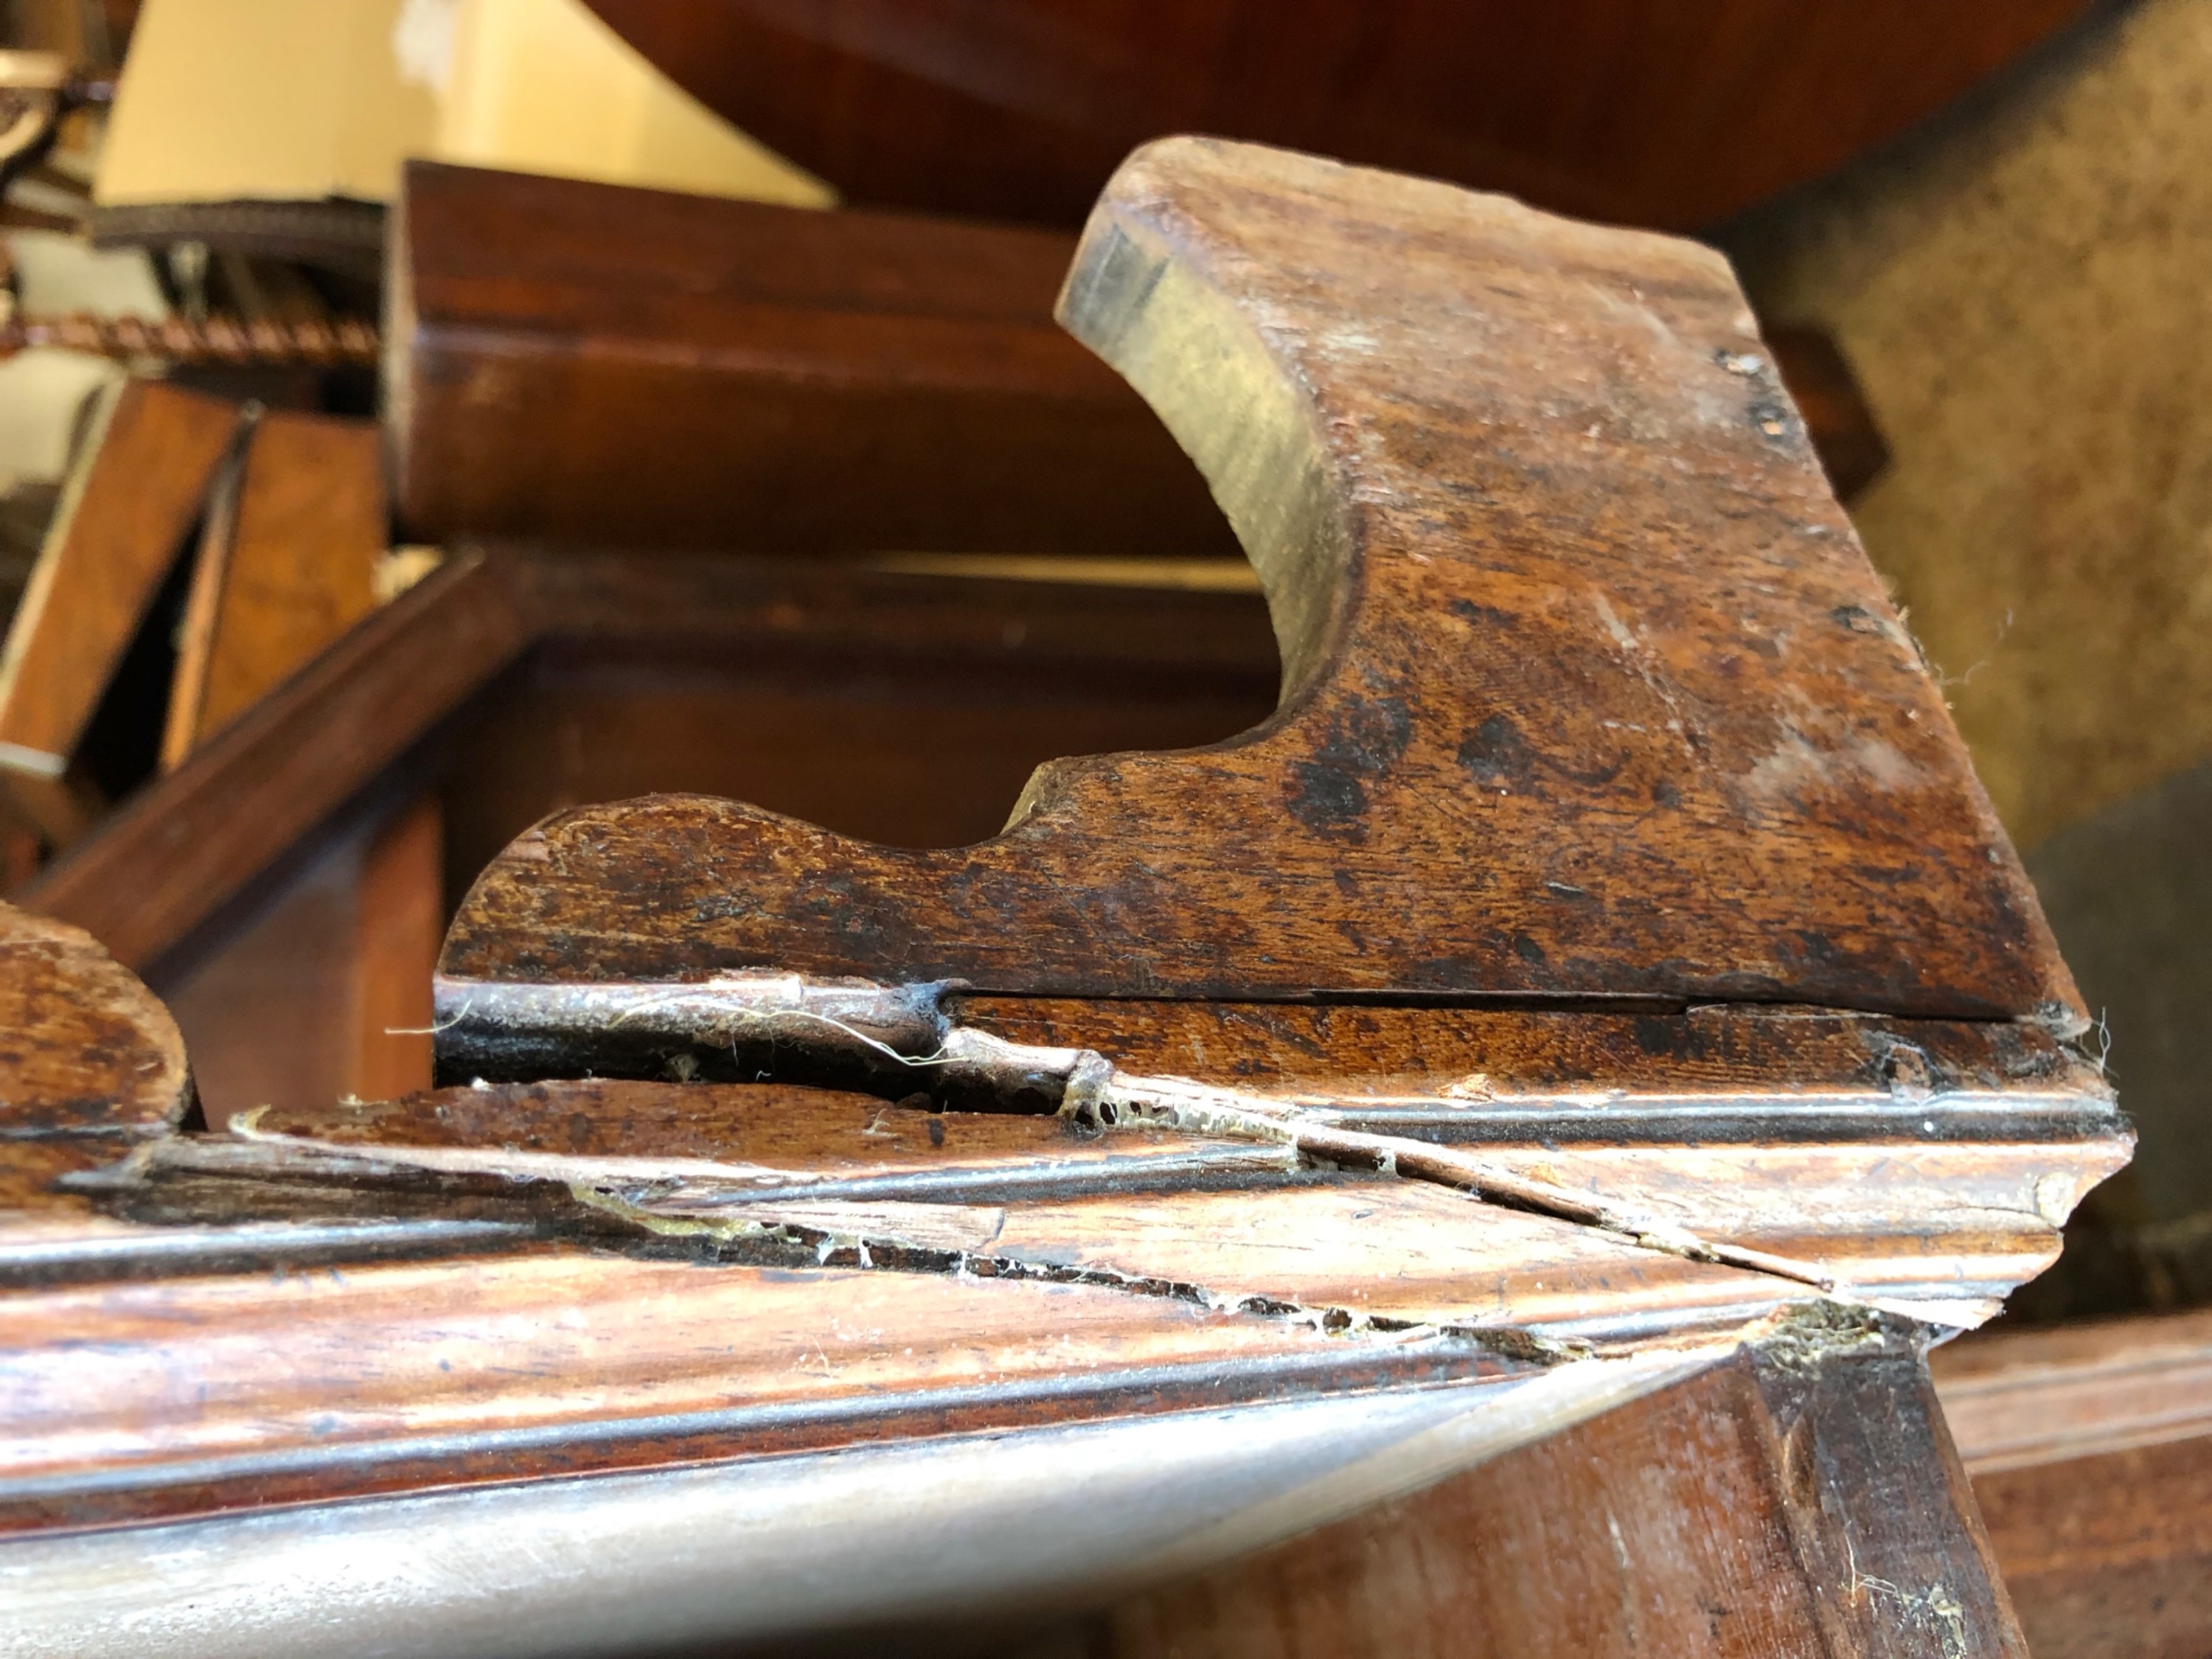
(1590, 691)
(1915, 1205)
(1190, 1189)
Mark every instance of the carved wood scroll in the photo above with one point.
(1421, 1044)
(1589, 693)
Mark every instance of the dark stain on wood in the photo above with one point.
(1561, 429)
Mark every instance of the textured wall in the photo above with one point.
(2024, 289)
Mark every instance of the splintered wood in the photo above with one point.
(1595, 1025)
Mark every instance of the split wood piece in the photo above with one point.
(1782, 1503)
(144, 474)
(281, 768)
(288, 564)
(1590, 691)
(85, 1049)
(1198, 662)
(1942, 1199)
(587, 362)
(826, 1137)
(2091, 1450)
(1219, 1222)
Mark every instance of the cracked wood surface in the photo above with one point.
(1193, 1190)
(1589, 692)
(1936, 1214)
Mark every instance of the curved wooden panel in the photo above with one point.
(85, 1049)
(1590, 693)
(1668, 112)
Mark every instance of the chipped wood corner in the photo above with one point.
(1600, 988)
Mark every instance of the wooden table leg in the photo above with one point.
(1799, 1498)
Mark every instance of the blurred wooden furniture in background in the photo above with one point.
(145, 474)
(1674, 116)
(596, 364)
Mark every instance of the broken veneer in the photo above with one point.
(1545, 1089)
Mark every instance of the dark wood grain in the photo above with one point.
(1373, 1058)
(698, 669)
(769, 1125)
(589, 362)
(85, 1049)
(1675, 115)
(250, 793)
(1767, 1510)
(1590, 691)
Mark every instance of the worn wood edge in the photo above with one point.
(2029, 982)
(1732, 1207)
(1190, 353)
(88, 1051)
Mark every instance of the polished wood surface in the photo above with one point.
(329, 951)
(1487, 464)
(120, 529)
(1675, 115)
(292, 568)
(399, 923)
(593, 363)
